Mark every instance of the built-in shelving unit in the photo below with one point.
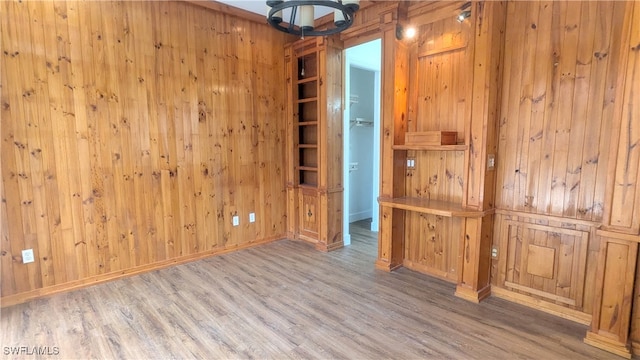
(427, 206)
(307, 118)
(314, 161)
(427, 152)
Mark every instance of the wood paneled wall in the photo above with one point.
(439, 99)
(442, 90)
(131, 133)
(561, 67)
(567, 159)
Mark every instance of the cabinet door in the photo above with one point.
(309, 216)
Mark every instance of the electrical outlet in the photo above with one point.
(252, 217)
(27, 256)
(235, 220)
(411, 163)
(494, 252)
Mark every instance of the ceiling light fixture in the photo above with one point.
(343, 11)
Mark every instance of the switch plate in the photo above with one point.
(491, 161)
(27, 256)
(252, 217)
(411, 163)
(235, 220)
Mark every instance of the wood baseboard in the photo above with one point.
(386, 266)
(472, 295)
(94, 280)
(430, 271)
(635, 347)
(554, 309)
(606, 344)
(326, 248)
(307, 238)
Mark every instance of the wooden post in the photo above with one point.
(614, 293)
(475, 264)
(394, 113)
(619, 238)
(291, 142)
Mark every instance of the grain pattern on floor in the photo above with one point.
(287, 300)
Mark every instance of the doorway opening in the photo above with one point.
(361, 173)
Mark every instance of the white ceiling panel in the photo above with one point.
(261, 8)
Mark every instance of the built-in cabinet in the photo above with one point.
(437, 211)
(314, 116)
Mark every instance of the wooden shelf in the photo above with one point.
(434, 207)
(307, 100)
(308, 186)
(308, 168)
(308, 146)
(307, 79)
(307, 123)
(431, 147)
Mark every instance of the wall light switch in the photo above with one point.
(411, 163)
(252, 217)
(235, 220)
(491, 161)
(27, 256)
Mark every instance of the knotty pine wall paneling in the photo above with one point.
(567, 194)
(623, 193)
(131, 133)
(552, 138)
(439, 99)
(553, 145)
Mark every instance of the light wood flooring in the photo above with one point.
(287, 300)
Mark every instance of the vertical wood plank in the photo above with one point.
(107, 165)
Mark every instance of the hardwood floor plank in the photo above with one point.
(287, 300)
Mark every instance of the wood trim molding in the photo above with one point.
(546, 217)
(94, 280)
(374, 28)
(542, 305)
(604, 343)
(443, 50)
(426, 14)
(472, 295)
(618, 236)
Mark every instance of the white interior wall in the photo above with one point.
(365, 56)
(361, 144)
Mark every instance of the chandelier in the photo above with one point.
(303, 10)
